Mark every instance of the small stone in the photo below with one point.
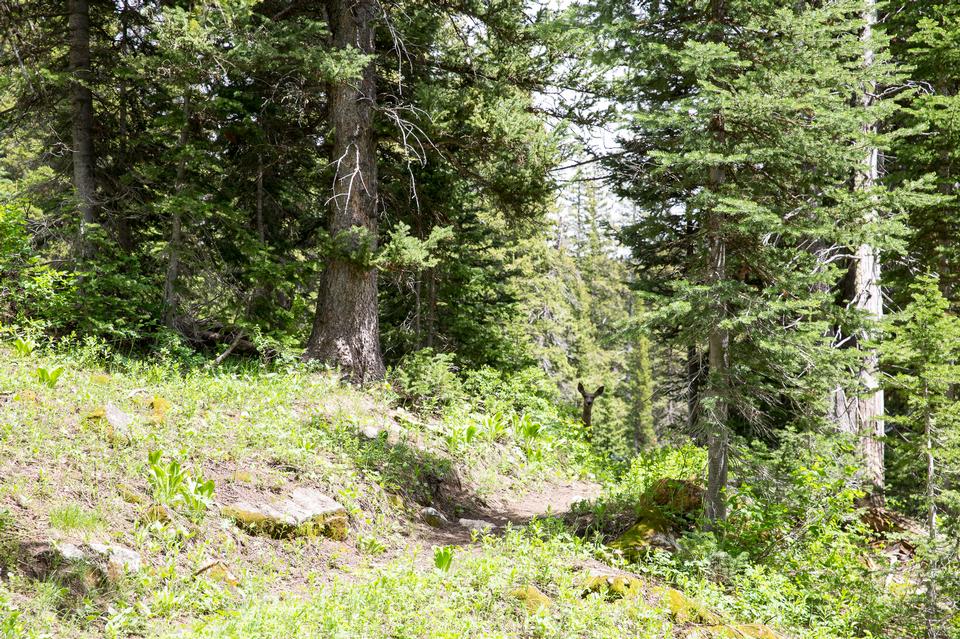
(370, 432)
(532, 598)
(478, 525)
(118, 425)
(244, 476)
(433, 517)
(304, 512)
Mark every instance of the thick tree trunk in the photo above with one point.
(84, 180)
(346, 331)
(862, 415)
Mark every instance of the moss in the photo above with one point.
(532, 598)
(653, 528)
(333, 526)
(686, 610)
(614, 587)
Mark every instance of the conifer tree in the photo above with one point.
(741, 141)
(925, 356)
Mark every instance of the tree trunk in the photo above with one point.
(861, 416)
(931, 612)
(715, 505)
(175, 245)
(718, 339)
(346, 331)
(84, 180)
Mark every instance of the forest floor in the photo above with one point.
(126, 493)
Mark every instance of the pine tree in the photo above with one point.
(741, 142)
(925, 356)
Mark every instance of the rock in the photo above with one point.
(532, 598)
(686, 610)
(118, 559)
(370, 432)
(613, 586)
(82, 568)
(433, 517)
(653, 530)
(118, 425)
(130, 495)
(304, 512)
(677, 496)
(218, 570)
(479, 525)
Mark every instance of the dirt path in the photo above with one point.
(554, 499)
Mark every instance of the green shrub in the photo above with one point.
(427, 381)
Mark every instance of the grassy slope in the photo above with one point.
(64, 475)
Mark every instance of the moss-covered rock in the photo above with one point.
(613, 587)
(677, 496)
(683, 609)
(303, 512)
(652, 530)
(532, 598)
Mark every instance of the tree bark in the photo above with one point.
(718, 442)
(84, 160)
(718, 339)
(931, 611)
(861, 415)
(346, 331)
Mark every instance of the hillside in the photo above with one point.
(110, 528)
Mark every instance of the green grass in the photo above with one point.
(72, 517)
(253, 428)
(472, 599)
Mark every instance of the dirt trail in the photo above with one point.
(552, 499)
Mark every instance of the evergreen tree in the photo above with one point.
(924, 353)
(741, 141)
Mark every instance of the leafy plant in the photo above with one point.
(463, 436)
(49, 376)
(443, 557)
(173, 486)
(370, 545)
(494, 427)
(23, 347)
